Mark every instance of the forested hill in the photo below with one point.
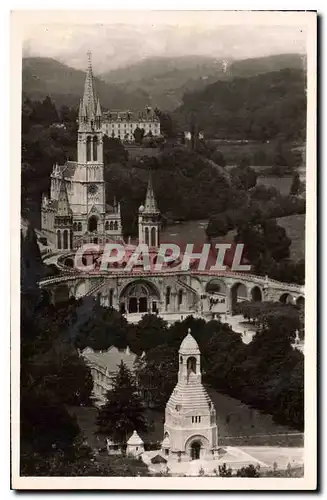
(263, 107)
(43, 76)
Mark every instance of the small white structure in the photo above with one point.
(135, 445)
(190, 430)
(113, 448)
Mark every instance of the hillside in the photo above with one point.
(165, 79)
(263, 107)
(257, 65)
(42, 76)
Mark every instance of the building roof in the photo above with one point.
(189, 345)
(135, 440)
(89, 104)
(110, 360)
(150, 205)
(190, 395)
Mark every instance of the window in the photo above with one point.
(166, 452)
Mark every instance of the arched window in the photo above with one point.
(79, 226)
(65, 239)
(146, 236)
(95, 148)
(191, 364)
(167, 296)
(153, 237)
(180, 297)
(111, 226)
(106, 226)
(59, 240)
(93, 224)
(75, 226)
(88, 148)
(71, 239)
(116, 225)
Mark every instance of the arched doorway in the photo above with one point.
(216, 286)
(300, 302)
(256, 294)
(195, 450)
(286, 298)
(238, 294)
(93, 224)
(139, 297)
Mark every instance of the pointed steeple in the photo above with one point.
(89, 100)
(63, 203)
(98, 112)
(150, 205)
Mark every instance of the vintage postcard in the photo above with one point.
(163, 250)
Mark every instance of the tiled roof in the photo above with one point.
(111, 359)
(135, 439)
(189, 345)
(190, 395)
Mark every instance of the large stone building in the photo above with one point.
(122, 124)
(76, 210)
(190, 430)
(104, 366)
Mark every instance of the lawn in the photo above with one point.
(238, 425)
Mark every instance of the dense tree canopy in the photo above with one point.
(123, 412)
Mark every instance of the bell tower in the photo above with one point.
(189, 360)
(190, 429)
(89, 146)
(149, 218)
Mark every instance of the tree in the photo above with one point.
(123, 412)
(217, 226)
(296, 184)
(113, 151)
(249, 471)
(243, 177)
(218, 158)
(224, 471)
(138, 135)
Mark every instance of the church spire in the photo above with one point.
(89, 99)
(150, 205)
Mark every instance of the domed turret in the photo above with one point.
(189, 345)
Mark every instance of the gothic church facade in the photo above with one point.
(76, 211)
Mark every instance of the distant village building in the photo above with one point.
(122, 124)
(104, 366)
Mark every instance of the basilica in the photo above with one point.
(76, 211)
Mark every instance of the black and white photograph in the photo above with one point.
(163, 254)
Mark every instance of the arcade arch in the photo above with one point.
(286, 298)
(256, 294)
(139, 296)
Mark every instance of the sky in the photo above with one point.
(133, 38)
